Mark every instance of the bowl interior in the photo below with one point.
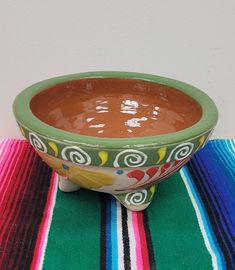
(115, 107)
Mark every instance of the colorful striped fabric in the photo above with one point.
(125, 241)
(189, 225)
(26, 189)
(92, 231)
(210, 176)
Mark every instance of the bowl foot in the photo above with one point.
(66, 185)
(137, 200)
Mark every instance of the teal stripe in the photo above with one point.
(114, 234)
(223, 151)
(108, 234)
(231, 145)
(208, 229)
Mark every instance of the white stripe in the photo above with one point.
(4, 147)
(131, 240)
(232, 141)
(2, 141)
(230, 145)
(227, 162)
(2, 144)
(119, 238)
(49, 224)
(200, 222)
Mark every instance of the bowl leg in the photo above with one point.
(137, 200)
(66, 185)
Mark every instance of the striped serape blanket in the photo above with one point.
(189, 225)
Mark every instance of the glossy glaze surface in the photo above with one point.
(115, 108)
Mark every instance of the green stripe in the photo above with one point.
(177, 240)
(74, 237)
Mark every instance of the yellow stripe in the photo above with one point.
(54, 148)
(161, 153)
(201, 141)
(22, 131)
(103, 156)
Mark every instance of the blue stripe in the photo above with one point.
(227, 171)
(208, 229)
(223, 152)
(215, 165)
(220, 181)
(210, 179)
(214, 204)
(114, 234)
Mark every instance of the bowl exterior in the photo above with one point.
(114, 170)
(114, 165)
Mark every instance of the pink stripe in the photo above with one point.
(6, 156)
(16, 193)
(5, 145)
(2, 142)
(45, 226)
(9, 170)
(22, 230)
(11, 155)
(137, 240)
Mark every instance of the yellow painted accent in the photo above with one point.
(85, 178)
(89, 179)
(103, 156)
(161, 153)
(54, 148)
(22, 131)
(152, 190)
(201, 141)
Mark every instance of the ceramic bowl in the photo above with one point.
(127, 168)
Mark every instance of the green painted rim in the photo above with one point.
(25, 117)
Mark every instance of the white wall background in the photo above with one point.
(192, 41)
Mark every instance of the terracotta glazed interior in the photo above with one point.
(115, 108)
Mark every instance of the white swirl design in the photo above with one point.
(132, 158)
(181, 151)
(76, 155)
(136, 198)
(37, 143)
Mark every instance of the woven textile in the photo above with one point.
(189, 225)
